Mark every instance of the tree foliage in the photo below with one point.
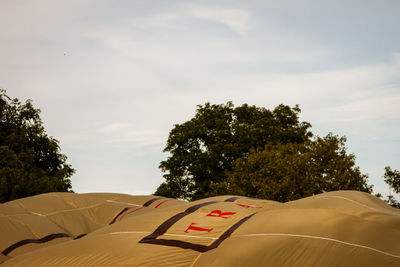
(392, 178)
(30, 160)
(285, 172)
(256, 152)
(205, 147)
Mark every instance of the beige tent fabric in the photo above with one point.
(342, 228)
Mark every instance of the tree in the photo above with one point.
(392, 178)
(206, 147)
(30, 160)
(290, 171)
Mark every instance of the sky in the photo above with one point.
(113, 77)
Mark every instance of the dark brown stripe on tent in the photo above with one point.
(80, 236)
(171, 221)
(232, 199)
(177, 243)
(28, 241)
(228, 232)
(119, 214)
(152, 239)
(148, 203)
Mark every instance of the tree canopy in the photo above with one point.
(30, 160)
(392, 178)
(285, 172)
(205, 147)
(253, 151)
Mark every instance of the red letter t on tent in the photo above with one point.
(195, 228)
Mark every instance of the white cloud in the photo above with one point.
(237, 20)
(115, 127)
(371, 108)
(324, 89)
(142, 137)
(157, 21)
(127, 133)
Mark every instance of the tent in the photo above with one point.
(341, 228)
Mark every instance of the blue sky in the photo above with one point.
(113, 77)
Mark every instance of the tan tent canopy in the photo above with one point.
(343, 228)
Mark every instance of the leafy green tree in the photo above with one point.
(392, 178)
(290, 171)
(30, 160)
(204, 148)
